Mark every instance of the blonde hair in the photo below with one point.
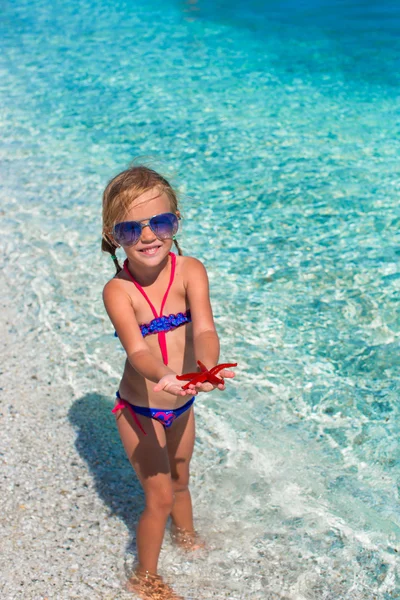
(119, 194)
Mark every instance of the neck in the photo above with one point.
(148, 275)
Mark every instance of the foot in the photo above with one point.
(149, 586)
(188, 540)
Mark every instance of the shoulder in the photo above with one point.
(116, 287)
(194, 274)
(191, 267)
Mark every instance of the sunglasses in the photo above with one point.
(163, 226)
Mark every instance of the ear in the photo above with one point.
(178, 214)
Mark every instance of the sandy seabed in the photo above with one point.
(59, 539)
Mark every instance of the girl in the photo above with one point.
(159, 305)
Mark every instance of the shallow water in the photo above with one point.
(279, 124)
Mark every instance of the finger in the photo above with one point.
(226, 373)
(207, 387)
(188, 391)
(157, 388)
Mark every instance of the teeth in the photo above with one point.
(149, 250)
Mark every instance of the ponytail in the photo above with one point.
(107, 246)
(177, 246)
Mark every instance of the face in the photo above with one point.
(149, 250)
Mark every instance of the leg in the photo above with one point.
(180, 443)
(148, 456)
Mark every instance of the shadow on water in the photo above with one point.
(99, 444)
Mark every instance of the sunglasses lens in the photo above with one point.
(164, 226)
(127, 233)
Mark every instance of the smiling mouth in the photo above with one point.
(150, 251)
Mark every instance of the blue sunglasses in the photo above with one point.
(164, 226)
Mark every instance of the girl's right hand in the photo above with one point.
(169, 383)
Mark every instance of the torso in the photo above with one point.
(135, 388)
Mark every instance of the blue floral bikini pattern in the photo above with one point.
(165, 323)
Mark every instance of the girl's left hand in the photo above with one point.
(209, 387)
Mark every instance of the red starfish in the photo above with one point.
(204, 375)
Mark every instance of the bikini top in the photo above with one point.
(161, 324)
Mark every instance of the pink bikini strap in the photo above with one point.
(161, 334)
(125, 404)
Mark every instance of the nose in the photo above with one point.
(147, 234)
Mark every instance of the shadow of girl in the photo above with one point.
(99, 444)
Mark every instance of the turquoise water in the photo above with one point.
(279, 123)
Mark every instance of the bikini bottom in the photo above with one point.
(165, 417)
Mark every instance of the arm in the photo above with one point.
(119, 308)
(206, 348)
(205, 337)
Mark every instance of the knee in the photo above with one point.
(180, 485)
(161, 502)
